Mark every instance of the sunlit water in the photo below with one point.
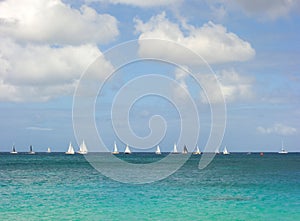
(233, 187)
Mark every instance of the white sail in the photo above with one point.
(83, 149)
(157, 150)
(225, 152)
(197, 151)
(49, 150)
(127, 150)
(70, 149)
(282, 151)
(115, 149)
(175, 148)
(13, 151)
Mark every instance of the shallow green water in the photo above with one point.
(234, 187)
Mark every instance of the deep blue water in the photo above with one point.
(234, 187)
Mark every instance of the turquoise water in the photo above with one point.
(233, 187)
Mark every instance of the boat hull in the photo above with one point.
(82, 153)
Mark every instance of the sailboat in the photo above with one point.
(175, 151)
(197, 151)
(282, 151)
(70, 149)
(127, 150)
(217, 151)
(225, 152)
(49, 150)
(115, 149)
(31, 150)
(83, 149)
(185, 150)
(13, 150)
(157, 150)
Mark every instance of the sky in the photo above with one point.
(251, 47)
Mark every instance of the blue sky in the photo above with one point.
(252, 46)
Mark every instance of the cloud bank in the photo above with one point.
(277, 128)
(53, 22)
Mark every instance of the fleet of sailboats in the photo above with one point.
(83, 150)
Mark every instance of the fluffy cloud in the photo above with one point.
(234, 87)
(42, 64)
(139, 3)
(277, 129)
(45, 46)
(53, 22)
(40, 72)
(211, 41)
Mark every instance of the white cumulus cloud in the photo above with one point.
(277, 128)
(211, 41)
(233, 86)
(45, 46)
(53, 22)
(40, 72)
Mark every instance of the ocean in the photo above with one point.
(233, 187)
